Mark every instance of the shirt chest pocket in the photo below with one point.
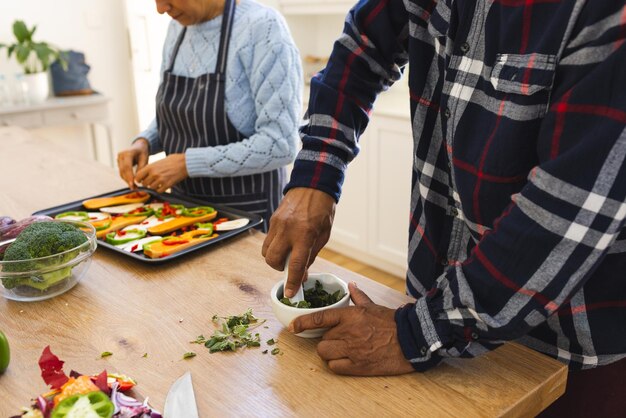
(524, 74)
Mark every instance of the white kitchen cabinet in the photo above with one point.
(372, 218)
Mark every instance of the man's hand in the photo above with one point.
(163, 174)
(137, 155)
(301, 227)
(362, 339)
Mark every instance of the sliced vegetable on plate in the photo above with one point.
(85, 396)
(122, 209)
(101, 202)
(125, 236)
(119, 223)
(189, 217)
(135, 246)
(173, 244)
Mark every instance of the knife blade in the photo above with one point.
(181, 401)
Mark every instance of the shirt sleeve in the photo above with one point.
(366, 59)
(275, 76)
(557, 230)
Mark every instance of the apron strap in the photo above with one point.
(227, 26)
(176, 47)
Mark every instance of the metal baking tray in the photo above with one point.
(222, 212)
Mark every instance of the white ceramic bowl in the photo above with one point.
(285, 314)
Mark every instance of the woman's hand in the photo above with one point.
(163, 174)
(137, 155)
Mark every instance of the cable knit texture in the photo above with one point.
(263, 90)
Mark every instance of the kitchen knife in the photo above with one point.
(180, 401)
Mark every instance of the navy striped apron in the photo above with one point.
(191, 113)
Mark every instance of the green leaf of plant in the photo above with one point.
(10, 50)
(21, 53)
(189, 354)
(21, 31)
(105, 354)
(32, 32)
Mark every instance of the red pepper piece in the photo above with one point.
(52, 369)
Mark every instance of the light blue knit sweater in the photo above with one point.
(263, 90)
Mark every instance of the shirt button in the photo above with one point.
(444, 262)
(446, 112)
(465, 47)
(474, 336)
(423, 351)
(454, 212)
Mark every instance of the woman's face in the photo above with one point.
(189, 12)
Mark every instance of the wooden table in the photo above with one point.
(130, 308)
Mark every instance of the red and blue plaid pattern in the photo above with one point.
(516, 224)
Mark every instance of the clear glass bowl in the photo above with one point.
(46, 277)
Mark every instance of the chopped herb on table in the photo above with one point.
(145, 355)
(189, 355)
(316, 297)
(275, 351)
(233, 334)
(105, 354)
(271, 342)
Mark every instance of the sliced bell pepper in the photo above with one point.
(207, 226)
(143, 211)
(80, 405)
(122, 237)
(73, 216)
(101, 225)
(119, 223)
(75, 386)
(198, 211)
(168, 210)
(124, 382)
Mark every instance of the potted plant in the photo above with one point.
(35, 59)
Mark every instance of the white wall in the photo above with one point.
(97, 28)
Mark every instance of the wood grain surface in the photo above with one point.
(130, 308)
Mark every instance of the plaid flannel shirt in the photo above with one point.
(516, 224)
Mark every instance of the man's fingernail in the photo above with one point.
(291, 328)
(354, 284)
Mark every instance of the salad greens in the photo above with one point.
(316, 297)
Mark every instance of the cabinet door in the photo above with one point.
(390, 162)
(351, 217)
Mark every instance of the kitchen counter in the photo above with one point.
(130, 308)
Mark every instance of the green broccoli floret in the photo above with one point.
(37, 240)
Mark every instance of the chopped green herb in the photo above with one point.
(275, 351)
(189, 355)
(316, 297)
(105, 354)
(264, 352)
(145, 355)
(234, 333)
(271, 342)
(199, 340)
